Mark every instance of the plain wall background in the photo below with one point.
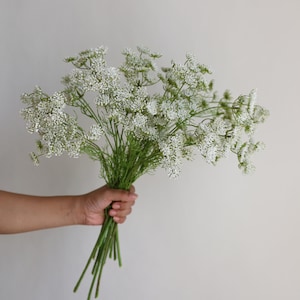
(213, 234)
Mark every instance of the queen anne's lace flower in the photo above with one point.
(171, 149)
(95, 132)
(59, 131)
(186, 115)
(152, 107)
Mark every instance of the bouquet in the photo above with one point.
(139, 117)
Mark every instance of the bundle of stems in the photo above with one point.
(107, 245)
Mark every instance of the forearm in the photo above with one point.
(21, 213)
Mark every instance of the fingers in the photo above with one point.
(122, 205)
(119, 216)
(120, 210)
(121, 195)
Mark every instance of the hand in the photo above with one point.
(95, 202)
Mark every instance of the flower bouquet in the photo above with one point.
(136, 118)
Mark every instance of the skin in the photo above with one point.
(22, 213)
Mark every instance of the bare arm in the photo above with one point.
(21, 213)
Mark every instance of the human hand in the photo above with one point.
(94, 203)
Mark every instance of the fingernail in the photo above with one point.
(112, 213)
(134, 195)
(116, 206)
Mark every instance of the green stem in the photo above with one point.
(104, 253)
(107, 239)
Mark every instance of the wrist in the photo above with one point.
(79, 210)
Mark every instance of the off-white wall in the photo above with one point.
(213, 234)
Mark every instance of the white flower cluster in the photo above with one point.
(95, 132)
(59, 131)
(171, 149)
(212, 142)
(186, 114)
